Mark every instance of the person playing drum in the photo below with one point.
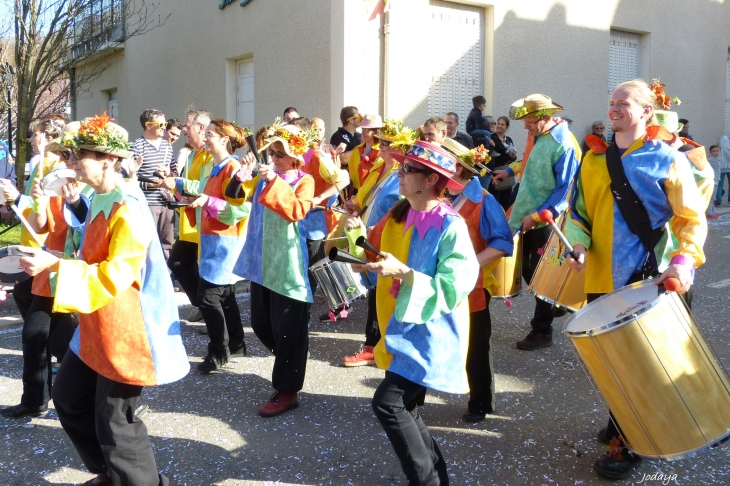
(492, 239)
(429, 268)
(611, 254)
(547, 168)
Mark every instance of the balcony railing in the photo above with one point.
(100, 24)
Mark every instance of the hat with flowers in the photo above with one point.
(399, 137)
(296, 142)
(667, 119)
(538, 105)
(98, 134)
(472, 159)
(433, 156)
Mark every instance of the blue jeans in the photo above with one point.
(720, 187)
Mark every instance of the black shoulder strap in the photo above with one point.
(632, 210)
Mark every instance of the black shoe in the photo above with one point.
(473, 417)
(622, 468)
(104, 480)
(196, 316)
(211, 363)
(602, 436)
(559, 312)
(21, 410)
(239, 350)
(535, 340)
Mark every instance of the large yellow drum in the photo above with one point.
(668, 392)
(509, 272)
(554, 281)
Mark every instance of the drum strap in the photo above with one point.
(631, 207)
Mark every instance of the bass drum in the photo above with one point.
(10, 271)
(509, 272)
(665, 387)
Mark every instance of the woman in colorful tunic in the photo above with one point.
(221, 228)
(423, 284)
(363, 156)
(492, 239)
(129, 334)
(275, 260)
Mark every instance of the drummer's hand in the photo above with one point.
(499, 175)
(681, 273)
(249, 159)
(354, 222)
(163, 169)
(266, 172)
(135, 165)
(352, 207)
(390, 266)
(71, 192)
(36, 191)
(169, 183)
(580, 264)
(38, 260)
(199, 202)
(9, 191)
(358, 267)
(527, 223)
(187, 199)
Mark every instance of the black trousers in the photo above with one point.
(480, 363)
(315, 249)
(282, 325)
(613, 429)
(183, 263)
(532, 242)
(394, 404)
(218, 305)
(23, 296)
(40, 324)
(98, 416)
(372, 329)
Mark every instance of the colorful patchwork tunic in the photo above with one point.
(360, 165)
(425, 328)
(319, 222)
(379, 192)
(664, 182)
(275, 254)
(26, 203)
(55, 233)
(546, 175)
(129, 330)
(487, 228)
(194, 167)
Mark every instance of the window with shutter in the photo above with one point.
(624, 62)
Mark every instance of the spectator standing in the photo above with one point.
(714, 161)
(157, 156)
(7, 165)
(503, 153)
(684, 131)
(452, 130)
(290, 114)
(346, 137)
(598, 129)
(724, 170)
(434, 130)
(475, 126)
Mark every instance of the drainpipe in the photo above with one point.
(385, 26)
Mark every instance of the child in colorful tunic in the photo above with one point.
(275, 260)
(429, 268)
(129, 334)
(492, 239)
(222, 234)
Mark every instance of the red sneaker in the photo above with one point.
(711, 216)
(279, 403)
(364, 357)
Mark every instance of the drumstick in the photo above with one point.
(24, 221)
(547, 217)
(672, 284)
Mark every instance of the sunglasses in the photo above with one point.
(277, 153)
(75, 153)
(162, 125)
(65, 155)
(384, 143)
(409, 169)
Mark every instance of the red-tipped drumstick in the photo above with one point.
(547, 217)
(671, 284)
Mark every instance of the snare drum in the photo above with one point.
(10, 271)
(55, 180)
(664, 385)
(508, 272)
(339, 283)
(554, 281)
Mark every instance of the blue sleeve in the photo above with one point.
(493, 226)
(564, 170)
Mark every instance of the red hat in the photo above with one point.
(434, 157)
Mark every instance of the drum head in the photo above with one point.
(614, 308)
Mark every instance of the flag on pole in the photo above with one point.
(377, 7)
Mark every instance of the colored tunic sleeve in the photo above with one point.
(564, 170)
(688, 224)
(493, 226)
(107, 280)
(230, 214)
(456, 274)
(247, 190)
(577, 227)
(291, 204)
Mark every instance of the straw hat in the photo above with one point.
(296, 142)
(98, 134)
(371, 121)
(470, 159)
(538, 105)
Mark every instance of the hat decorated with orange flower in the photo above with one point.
(399, 137)
(56, 145)
(538, 105)
(296, 142)
(371, 121)
(667, 119)
(98, 134)
(433, 156)
(472, 159)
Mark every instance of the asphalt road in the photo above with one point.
(205, 429)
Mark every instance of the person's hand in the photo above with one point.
(681, 273)
(155, 185)
(528, 223)
(266, 172)
(71, 192)
(316, 200)
(164, 170)
(389, 266)
(352, 207)
(169, 183)
(580, 264)
(499, 175)
(36, 192)
(9, 191)
(187, 199)
(249, 160)
(353, 222)
(199, 202)
(134, 166)
(37, 260)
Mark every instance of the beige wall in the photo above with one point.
(320, 55)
